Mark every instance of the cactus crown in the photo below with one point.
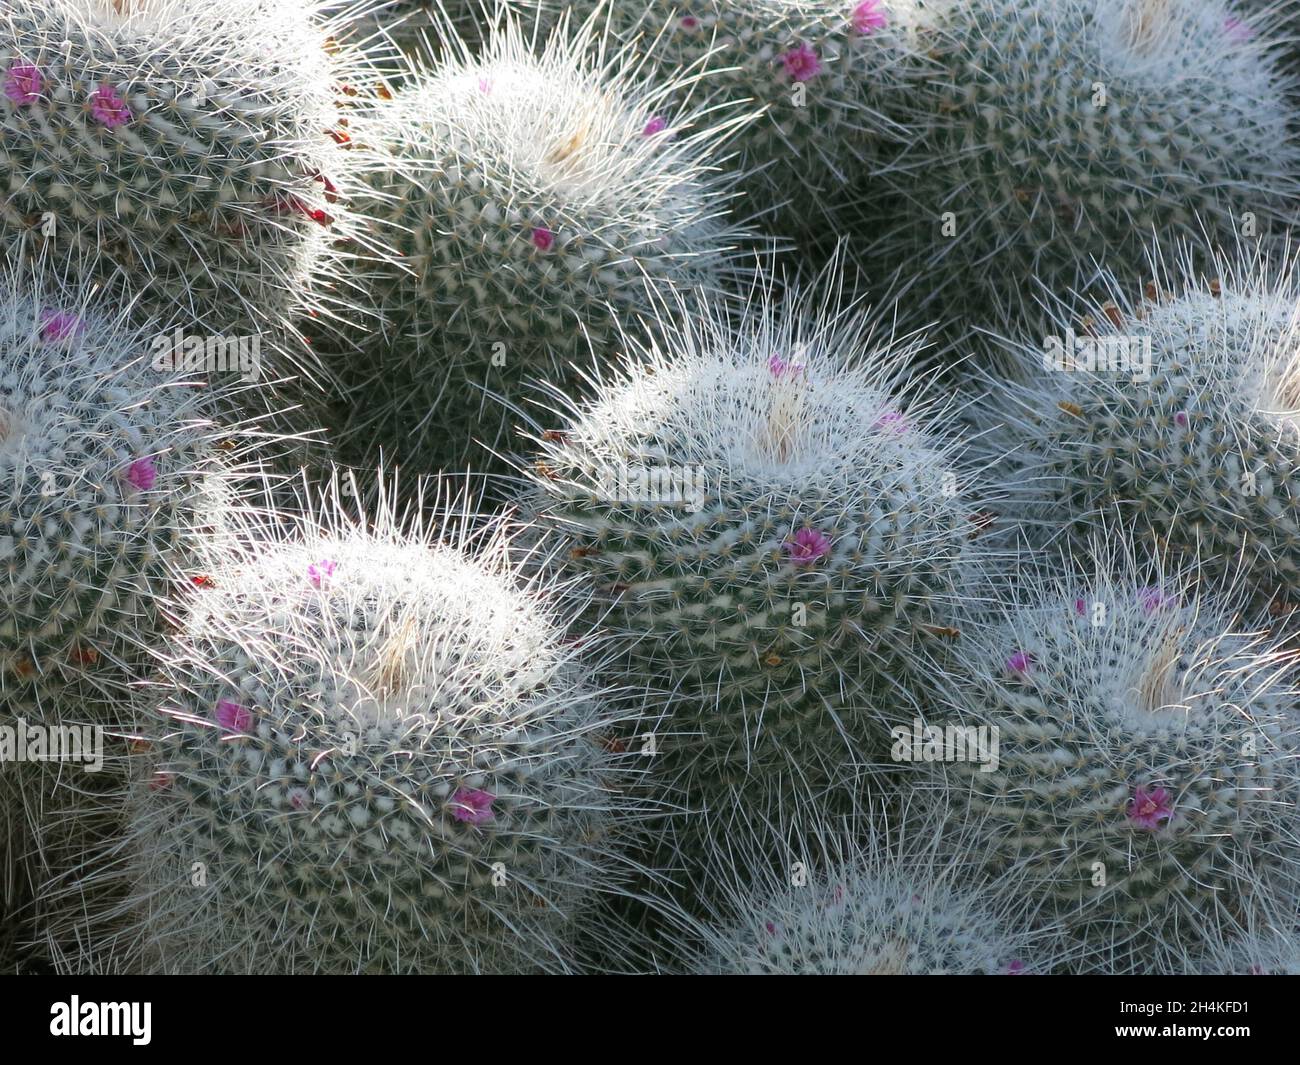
(1178, 126)
(542, 198)
(766, 521)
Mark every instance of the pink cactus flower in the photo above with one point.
(891, 420)
(543, 238)
(60, 325)
(298, 799)
(801, 63)
(1237, 31)
(1153, 599)
(1149, 808)
(319, 572)
(807, 546)
(109, 108)
(655, 125)
(779, 367)
(142, 474)
(1180, 419)
(472, 805)
(689, 22)
(23, 84)
(1081, 606)
(485, 86)
(232, 717)
(1020, 663)
(1015, 967)
(161, 780)
(770, 927)
(869, 16)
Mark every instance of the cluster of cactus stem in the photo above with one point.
(783, 487)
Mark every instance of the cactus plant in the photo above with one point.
(829, 78)
(1173, 410)
(1065, 133)
(188, 154)
(415, 27)
(540, 199)
(1148, 775)
(380, 756)
(769, 520)
(839, 898)
(102, 462)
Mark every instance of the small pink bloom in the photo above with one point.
(1180, 419)
(485, 86)
(655, 125)
(108, 107)
(689, 22)
(1081, 606)
(770, 926)
(1149, 808)
(779, 367)
(801, 63)
(1237, 32)
(1153, 599)
(472, 805)
(59, 325)
(317, 572)
(891, 420)
(543, 238)
(1020, 663)
(142, 474)
(807, 546)
(869, 16)
(23, 84)
(298, 798)
(1015, 967)
(232, 717)
(161, 780)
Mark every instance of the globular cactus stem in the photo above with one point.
(380, 755)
